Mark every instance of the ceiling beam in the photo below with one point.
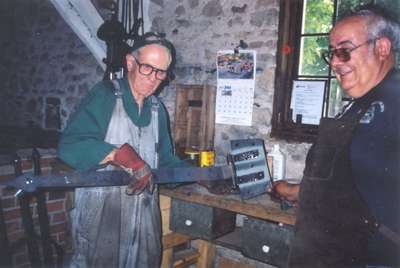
(84, 20)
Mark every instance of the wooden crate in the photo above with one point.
(194, 118)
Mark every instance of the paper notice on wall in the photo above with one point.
(307, 101)
(235, 87)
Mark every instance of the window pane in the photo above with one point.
(318, 16)
(344, 6)
(311, 62)
(337, 99)
(393, 5)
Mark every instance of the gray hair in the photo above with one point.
(380, 24)
(136, 52)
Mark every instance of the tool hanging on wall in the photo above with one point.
(242, 45)
(120, 31)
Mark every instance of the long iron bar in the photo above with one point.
(42, 213)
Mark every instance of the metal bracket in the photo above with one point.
(249, 162)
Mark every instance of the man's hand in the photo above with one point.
(283, 190)
(127, 158)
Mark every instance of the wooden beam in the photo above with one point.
(167, 258)
(174, 239)
(207, 254)
(84, 20)
(186, 259)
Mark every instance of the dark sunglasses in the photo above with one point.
(147, 69)
(343, 53)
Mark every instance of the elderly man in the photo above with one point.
(120, 123)
(349, 197)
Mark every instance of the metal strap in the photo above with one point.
(117, 88)
(43, 215)
(27, 220)
(154, 116)
(389, 234)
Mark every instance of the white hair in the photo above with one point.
(136, 53)
(380, 24)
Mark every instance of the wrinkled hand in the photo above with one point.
(127, 158)
(282, 190)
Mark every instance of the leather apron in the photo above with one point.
(110, 228)
(333, 223)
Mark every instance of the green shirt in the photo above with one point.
(82, 144)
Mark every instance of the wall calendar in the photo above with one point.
(235, 87)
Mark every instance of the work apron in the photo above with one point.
(333, 223)
(110, 228)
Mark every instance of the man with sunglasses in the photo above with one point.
(122, 124)
(349, 198)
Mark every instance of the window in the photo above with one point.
(304, 27)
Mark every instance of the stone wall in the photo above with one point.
(198, 29)
(44, 68)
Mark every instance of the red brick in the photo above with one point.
(12, 214)
(54, 195)
(57, 228)
(8, 192)
(13, 237)
(9, 202)
(58, 217)
(55, 206)
(13, 226)
(61, 237)
(26, 165)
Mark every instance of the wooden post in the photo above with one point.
(207, 254)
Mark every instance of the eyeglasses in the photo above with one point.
(343, 53)
(147, 69)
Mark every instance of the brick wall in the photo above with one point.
(56, 202)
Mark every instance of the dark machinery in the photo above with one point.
(118, 33)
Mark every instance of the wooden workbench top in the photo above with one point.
(260, 207)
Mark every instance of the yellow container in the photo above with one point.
(207, 158)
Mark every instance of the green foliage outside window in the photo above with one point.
(308, 38)
(311, 62)
(318, 19)
(318, 16)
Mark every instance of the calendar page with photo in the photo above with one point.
(235, 87)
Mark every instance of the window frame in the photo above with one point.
(288, 60)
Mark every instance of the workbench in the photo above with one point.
(260, 207)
